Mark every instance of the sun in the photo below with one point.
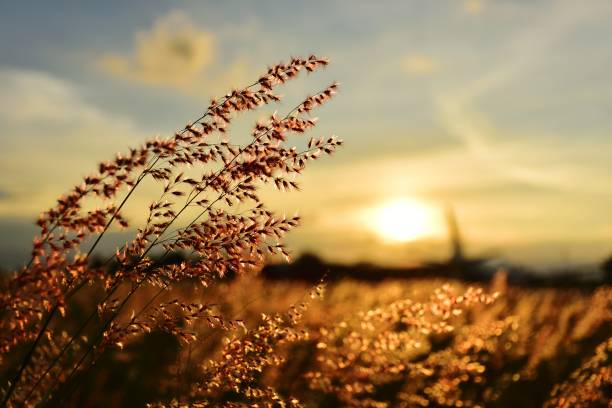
(403, 220)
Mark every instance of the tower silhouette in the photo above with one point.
(457, 257)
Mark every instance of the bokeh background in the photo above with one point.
(499, 110)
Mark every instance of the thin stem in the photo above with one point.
(55, 226)
(28, 357)
(55, 308)
(118, 310)
(125, 199)
(52, 312)
(64, 349)
(238, 313)
(227, 167)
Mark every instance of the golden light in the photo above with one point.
(404, 220)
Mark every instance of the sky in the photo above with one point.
(498, 109)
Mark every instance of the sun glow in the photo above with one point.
(404, 220)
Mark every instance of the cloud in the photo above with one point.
(524, 159)
(173, 53)
(420, 65)
(51, 136)
(29, 96)
(473, 6)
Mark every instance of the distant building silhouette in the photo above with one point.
(459, 265)
(457, 257)
(310, 267)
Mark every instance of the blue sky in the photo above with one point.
(499, 108)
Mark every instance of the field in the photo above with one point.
(181, 314)
(395, 343)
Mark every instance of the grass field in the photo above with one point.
(181, 314)
(386, 344)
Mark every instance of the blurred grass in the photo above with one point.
(556, 329)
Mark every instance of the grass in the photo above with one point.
(205, 330)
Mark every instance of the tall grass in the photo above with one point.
(181, 333)
(193, 214)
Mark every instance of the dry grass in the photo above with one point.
(218, 239)
(138, 330)
(437, 343)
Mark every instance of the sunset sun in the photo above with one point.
(403, 220)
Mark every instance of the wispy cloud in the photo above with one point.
(174, 53)
(516, 156)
